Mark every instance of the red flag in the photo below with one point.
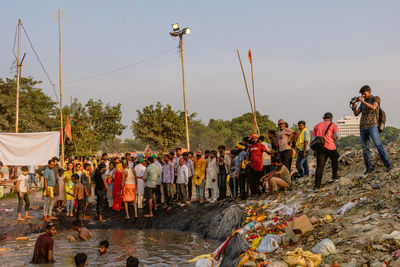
(250, 56)
(68, 129)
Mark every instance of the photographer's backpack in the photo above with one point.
(381, 118)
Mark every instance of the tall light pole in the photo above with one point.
(179, 33)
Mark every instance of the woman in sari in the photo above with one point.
(117, 187)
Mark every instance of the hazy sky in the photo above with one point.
(309, 56)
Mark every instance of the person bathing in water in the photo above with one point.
(83, 232)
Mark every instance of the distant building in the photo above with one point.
(348, 126)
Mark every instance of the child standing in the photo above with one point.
(61, 196)
(23, 192)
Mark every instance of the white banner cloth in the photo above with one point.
(28, 148)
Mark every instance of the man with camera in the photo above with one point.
(369, 109)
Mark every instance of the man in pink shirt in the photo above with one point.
(329, 149)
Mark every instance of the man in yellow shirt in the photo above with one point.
(199, 175)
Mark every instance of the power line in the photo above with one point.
(121, 68)
(15, 41)
(41, 64)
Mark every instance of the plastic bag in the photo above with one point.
(287, 210)
(325, 247)
(269, 243)
(248, 226)
(203, 263)
(345, 208)
(302, 258)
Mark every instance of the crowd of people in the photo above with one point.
(253, 166)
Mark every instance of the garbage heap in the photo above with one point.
(351, 222)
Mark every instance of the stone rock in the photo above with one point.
(223, 225)
(235, 248)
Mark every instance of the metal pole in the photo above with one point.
(18, 75)
(184, 93)
(61, 114)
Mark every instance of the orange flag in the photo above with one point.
(250, 56)
(68, 129)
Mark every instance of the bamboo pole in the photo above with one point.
(254, 94)
(18, 76)
(61, 114)
(248, 94)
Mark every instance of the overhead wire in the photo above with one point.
(41, 64)
(121, 68)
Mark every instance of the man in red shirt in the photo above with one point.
(44, 245)
(329, 149)
(256, 151)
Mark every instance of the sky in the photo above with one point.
(309, 57)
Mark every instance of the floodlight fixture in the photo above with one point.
(187, 31)
(175, 27)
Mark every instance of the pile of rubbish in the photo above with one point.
(352, 222)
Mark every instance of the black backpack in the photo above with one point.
(381, 118)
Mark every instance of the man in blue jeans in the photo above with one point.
(369, 108)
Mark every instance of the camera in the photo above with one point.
(353, 100)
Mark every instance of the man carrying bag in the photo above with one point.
(324, 136)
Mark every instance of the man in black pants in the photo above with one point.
(329, 131)
(100, 188)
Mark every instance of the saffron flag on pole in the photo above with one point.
(68, 129)
(250, 59)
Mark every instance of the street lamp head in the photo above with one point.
(187, 31)
(175, 27)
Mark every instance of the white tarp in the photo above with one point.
(28, 148)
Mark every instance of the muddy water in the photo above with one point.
(151, 247)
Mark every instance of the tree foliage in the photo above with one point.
(162, 127)
(239, 127)
(37, 111)
(91, 124)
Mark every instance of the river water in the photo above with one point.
(151, 247)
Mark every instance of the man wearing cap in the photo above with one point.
(329, 149)
(256, 151)
(240, 170)
(140, 169)
(286, 137)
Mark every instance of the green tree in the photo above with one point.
(134, 144)
(390, 134)
(204, 137)
(91, 124)
(37, 111)
(159, 126)
(239, 127)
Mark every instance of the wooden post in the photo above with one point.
(254, 95)
(184, 93)
(248, 94)
(18, 76)
(61, 114)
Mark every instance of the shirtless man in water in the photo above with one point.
(84, 233)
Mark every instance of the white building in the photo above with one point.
(349, 125)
